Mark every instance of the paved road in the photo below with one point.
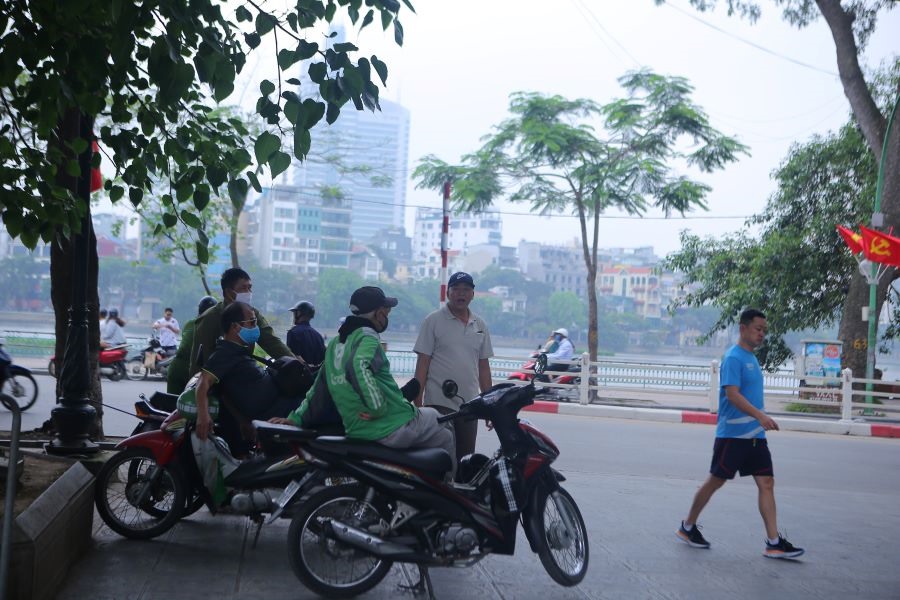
(839, 497)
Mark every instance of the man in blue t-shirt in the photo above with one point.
(740, 445)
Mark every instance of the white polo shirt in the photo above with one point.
(455, 349)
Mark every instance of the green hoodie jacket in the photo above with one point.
(359, 380)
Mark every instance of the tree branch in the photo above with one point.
(870, 119)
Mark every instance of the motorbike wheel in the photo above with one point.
(326, 566)
(135, 369)
(118, 372)
(565, 557)
(122, 481)
(21, 386)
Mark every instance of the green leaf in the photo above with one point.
(135, 195)
(254, 181)
(313, 112)
(302, 143)
(286, 58)
(201, 199)
(266, 145)
(367, 20)
(116, 192)
(306, 49)
(381, 69)
(190, 219)
(332, 113)
(317, 72)
(345, 47)
(202, 252)
(252, 40)
(242, 14)
(169, 220)
(279, 162)
(265, 23)
(78, 145)
(398, 32)
(237, 190)
(266, 87)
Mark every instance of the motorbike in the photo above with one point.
(154, 481)
(571, 378)
(112, 362)
(152, 360)
(19, 383)
(344, 538)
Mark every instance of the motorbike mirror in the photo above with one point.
(449, 388)
(540, 363)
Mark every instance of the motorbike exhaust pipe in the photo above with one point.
(370, 543)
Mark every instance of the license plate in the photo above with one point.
(283, 500)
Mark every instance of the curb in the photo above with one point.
(705, 418)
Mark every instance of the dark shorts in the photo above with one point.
(747, 457)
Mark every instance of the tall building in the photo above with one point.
(300, 229)
(468, 232)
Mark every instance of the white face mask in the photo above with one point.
(245, 297)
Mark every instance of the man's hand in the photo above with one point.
(768, 423)
(204, 425)
(281, 421)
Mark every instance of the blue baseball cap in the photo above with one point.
(460, 277)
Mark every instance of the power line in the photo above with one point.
(585, 10)
(748, 42)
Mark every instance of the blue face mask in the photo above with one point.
(557, 337)
(249, 334)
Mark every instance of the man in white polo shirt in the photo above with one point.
(454, 343)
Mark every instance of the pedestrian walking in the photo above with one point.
(454, 343)
(740, 445)
(303, 340)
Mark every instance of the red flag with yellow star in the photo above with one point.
(853, 240)
(880, 247)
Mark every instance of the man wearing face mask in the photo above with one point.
(236, 287)
(358, 376)
(238, 377)
(564, 351)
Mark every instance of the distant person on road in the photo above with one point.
(177, 374)
(302, 338)
(111, 333)
(740, 445)
(168, 332)
(564, 351)
(454, 343)
(236, 287)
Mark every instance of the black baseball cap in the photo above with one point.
(368, 298)
(461, 277)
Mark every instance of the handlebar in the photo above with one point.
(450, 417)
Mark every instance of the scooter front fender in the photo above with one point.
(160, 443)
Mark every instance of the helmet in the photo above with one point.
(113, 313)
(304, 309)
(469, 466)
(562, 331)
(205, 303)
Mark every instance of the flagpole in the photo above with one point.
(873, 280)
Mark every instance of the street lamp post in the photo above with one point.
(74, 416)
(873, 277)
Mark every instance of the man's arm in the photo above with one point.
(206, 331)
(204, 421)
(423, 361)
(270, 342)
(173, 327)
(484, 375)
(366, 361)
(733, 393)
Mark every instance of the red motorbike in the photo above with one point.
(112, 362)
(572, 378)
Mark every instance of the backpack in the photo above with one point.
(291, 376)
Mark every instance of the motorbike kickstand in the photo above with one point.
(423, 586)
(258, 519)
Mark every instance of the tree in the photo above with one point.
(851, 23)
(798, 270)
(550, 157)
(141, 64)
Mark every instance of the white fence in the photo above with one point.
(623, 382)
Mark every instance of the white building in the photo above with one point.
(468, 232)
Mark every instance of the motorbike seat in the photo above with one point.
(432, 460)
(283, 432)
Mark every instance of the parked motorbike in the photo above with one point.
(154, 481)
(152, 360)
(343, 539)
(572, 378)
(112, 362)
(19, 383)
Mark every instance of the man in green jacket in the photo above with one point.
(236, 286)
(358, 375)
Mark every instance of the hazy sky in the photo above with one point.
(462, 58)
